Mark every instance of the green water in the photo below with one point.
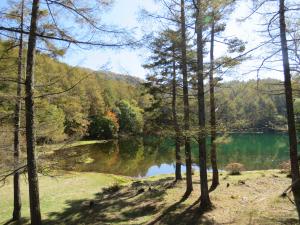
(150, 156)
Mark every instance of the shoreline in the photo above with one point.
(76, 143)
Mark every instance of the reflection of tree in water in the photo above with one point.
(138, 155)
(134, 156)
(131, 157)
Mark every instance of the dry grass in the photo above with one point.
(250, 198)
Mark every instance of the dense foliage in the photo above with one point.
(102, 127)
(130, 117)
(74, 102)
(251, 105)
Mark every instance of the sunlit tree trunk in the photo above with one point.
(30, 116)
(175, 121)
(204, 198)
(17, 120)
(187, 141)
(213, 131)
(290, 109)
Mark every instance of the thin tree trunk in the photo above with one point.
(175, 121)
(188, 158)
(17, 119)
(213, 131)
(204, 198)
(30, 125)
(290, 109)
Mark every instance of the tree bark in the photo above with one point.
(290, 108)
(17, 120)
(187, 141)
(213, 126)
(204, 198)
(30, 124)
(175, 121)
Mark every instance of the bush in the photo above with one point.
(285, 167)
(102, 127)
(130, 118)
(235, 168)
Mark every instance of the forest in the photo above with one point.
(209, 134)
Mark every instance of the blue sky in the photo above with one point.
(125, 13)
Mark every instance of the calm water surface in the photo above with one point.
(140, 157)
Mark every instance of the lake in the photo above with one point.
(148, 156)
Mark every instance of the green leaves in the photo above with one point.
(235, 45)
(130, 117)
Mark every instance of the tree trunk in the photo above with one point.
(30, 125)
(188, 158)
(290, 109)
(213, 127)
(175, 121)
(204, 198)
(17, 120)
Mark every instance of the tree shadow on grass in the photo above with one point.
(23, 220)
(191, 215)
(115, 205)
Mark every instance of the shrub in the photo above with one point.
(102, 127)
(234, 168)
(130, 117)
(285, 167)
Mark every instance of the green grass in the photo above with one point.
(56, 192)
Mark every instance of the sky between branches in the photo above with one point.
(126, 13)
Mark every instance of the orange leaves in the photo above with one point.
(113, 117)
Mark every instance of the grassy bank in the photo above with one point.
(55, 193)
(65, 145)
(79, 198)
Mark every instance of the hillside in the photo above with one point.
(67, 98)
(121, 77)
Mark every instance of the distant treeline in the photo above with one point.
(258, 105)
(240, 106)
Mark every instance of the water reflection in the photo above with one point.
(150, 156)
(166, 169)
